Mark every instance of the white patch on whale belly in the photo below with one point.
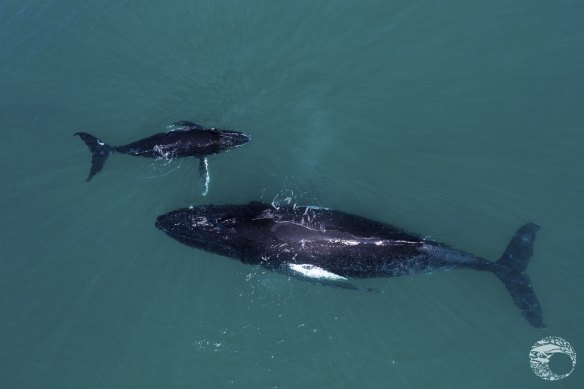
(312, 271)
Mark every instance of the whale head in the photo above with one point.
(231, 139)
(219, 229)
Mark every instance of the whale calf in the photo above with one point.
(331, 246)
(186, 139)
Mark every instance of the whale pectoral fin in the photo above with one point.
(190, 125)
(312, 271)
(308, 272)
(204, 175)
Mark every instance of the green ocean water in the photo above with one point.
(458, 120)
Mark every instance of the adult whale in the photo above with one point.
(331, 246)
(186, 139)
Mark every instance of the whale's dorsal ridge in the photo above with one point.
(189, 125)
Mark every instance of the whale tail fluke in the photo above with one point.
(99, 151)
(510, 269)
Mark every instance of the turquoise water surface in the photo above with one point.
(457, 120)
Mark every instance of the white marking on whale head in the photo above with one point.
(315, 272)
(201, 221)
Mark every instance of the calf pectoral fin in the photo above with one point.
(204, 175)
(314, 273)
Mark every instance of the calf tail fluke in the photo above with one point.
(510, 269)
(99, 151)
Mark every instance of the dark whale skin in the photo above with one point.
(291, 238)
